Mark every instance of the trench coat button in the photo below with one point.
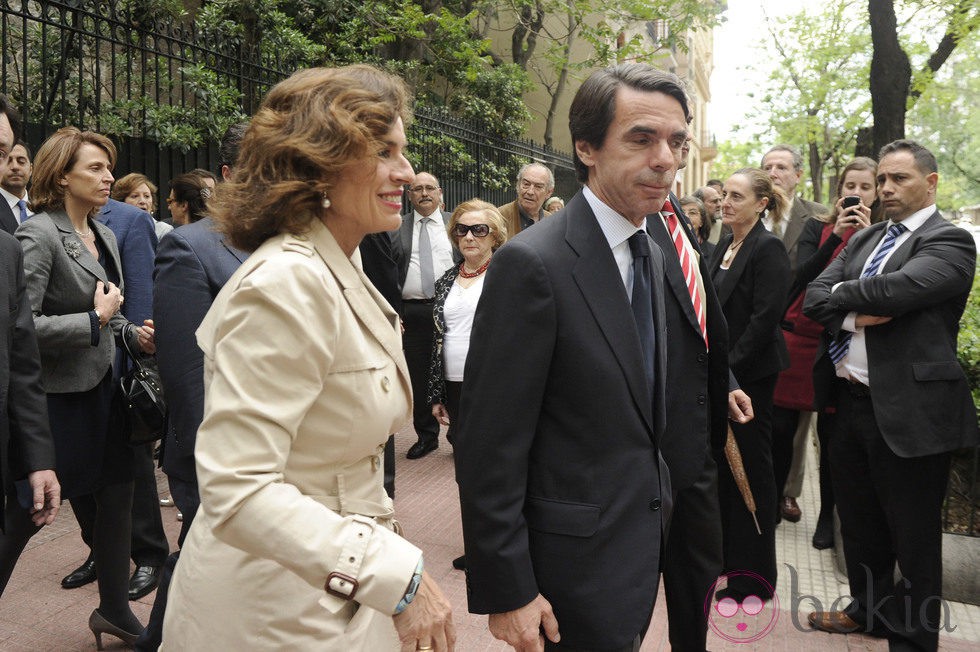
(386, 384)
(701, 399)
(702, 357)
(655, 505)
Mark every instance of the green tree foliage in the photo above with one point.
(556, 41)
(818, 91)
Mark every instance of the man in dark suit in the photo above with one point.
(701, 395)
(379, 259)
(418, 269)
(891, 303)
(26, 447)
(137, 241)
(11, 122)
(564, 494)
(193, 263)
(791, 429)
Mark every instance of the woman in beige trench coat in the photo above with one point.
(295, 545)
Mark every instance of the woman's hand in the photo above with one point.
(441, 414)
(107, 301)
(144, 336)
(428, 621)
(852, 217)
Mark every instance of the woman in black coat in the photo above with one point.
(750, 270)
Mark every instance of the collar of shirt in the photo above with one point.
(615, 227)
(436, 217)
(916, 219)
(617, 231)
(13, 199)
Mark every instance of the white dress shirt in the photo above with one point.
(442, 254)
(854, 365)
(12, 201)
(617, 230)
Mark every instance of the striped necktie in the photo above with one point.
(687, 266)
(838, 348)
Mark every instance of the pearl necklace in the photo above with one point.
(86, 234)
(480, 270)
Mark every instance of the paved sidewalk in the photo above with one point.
(36, 614)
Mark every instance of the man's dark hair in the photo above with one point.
(230, 142)
(7, 108)
(925, 161)
(715, 182)
(27, 148)
(594, 105)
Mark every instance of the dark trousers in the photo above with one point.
(784, 424)
(18, 528)
(890, 510)
(149, 546)
(417, 343)
(826, 423)
(187, 500)
(745, 550)
(693, 559)
(389, 479)
(553, 647)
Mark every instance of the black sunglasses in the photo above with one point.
(479, 230)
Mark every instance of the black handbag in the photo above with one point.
(142, 398)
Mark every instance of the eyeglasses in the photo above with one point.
(429, 189)
(170, 200)
(527, 185)
(478, 230)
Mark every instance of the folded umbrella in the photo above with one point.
(734, 457)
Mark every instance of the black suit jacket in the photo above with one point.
(802, 212)
(561, 484)
(193, 263)
(25, 436)
(8, 221)
(919, 392)
(697, 378)
(753, 295)
(380, 261)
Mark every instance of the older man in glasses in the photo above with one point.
(424, 253)
(534, 185)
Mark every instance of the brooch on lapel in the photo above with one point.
(72, 246)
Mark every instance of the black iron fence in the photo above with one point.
(166, 91)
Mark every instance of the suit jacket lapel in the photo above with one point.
(672, 264)
(794, 227)
(863, 249)
(598, 278)
(84, 259)
(904, 250)
(727, 285)
(361, 295)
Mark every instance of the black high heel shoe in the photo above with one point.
(99, 626)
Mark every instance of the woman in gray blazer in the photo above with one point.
(74, 282)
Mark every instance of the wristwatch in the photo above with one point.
(413, 588)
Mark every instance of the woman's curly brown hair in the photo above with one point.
(309, 128)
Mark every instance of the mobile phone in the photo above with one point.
(851, 200)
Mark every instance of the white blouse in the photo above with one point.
(458, 310)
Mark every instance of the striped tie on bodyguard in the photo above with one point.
(839, 347)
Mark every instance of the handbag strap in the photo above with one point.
(125, 341)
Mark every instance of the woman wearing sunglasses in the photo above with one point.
(477, 229)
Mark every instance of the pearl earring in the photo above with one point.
(326, 201)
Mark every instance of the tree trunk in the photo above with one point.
(891, 75)
(549, 125)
